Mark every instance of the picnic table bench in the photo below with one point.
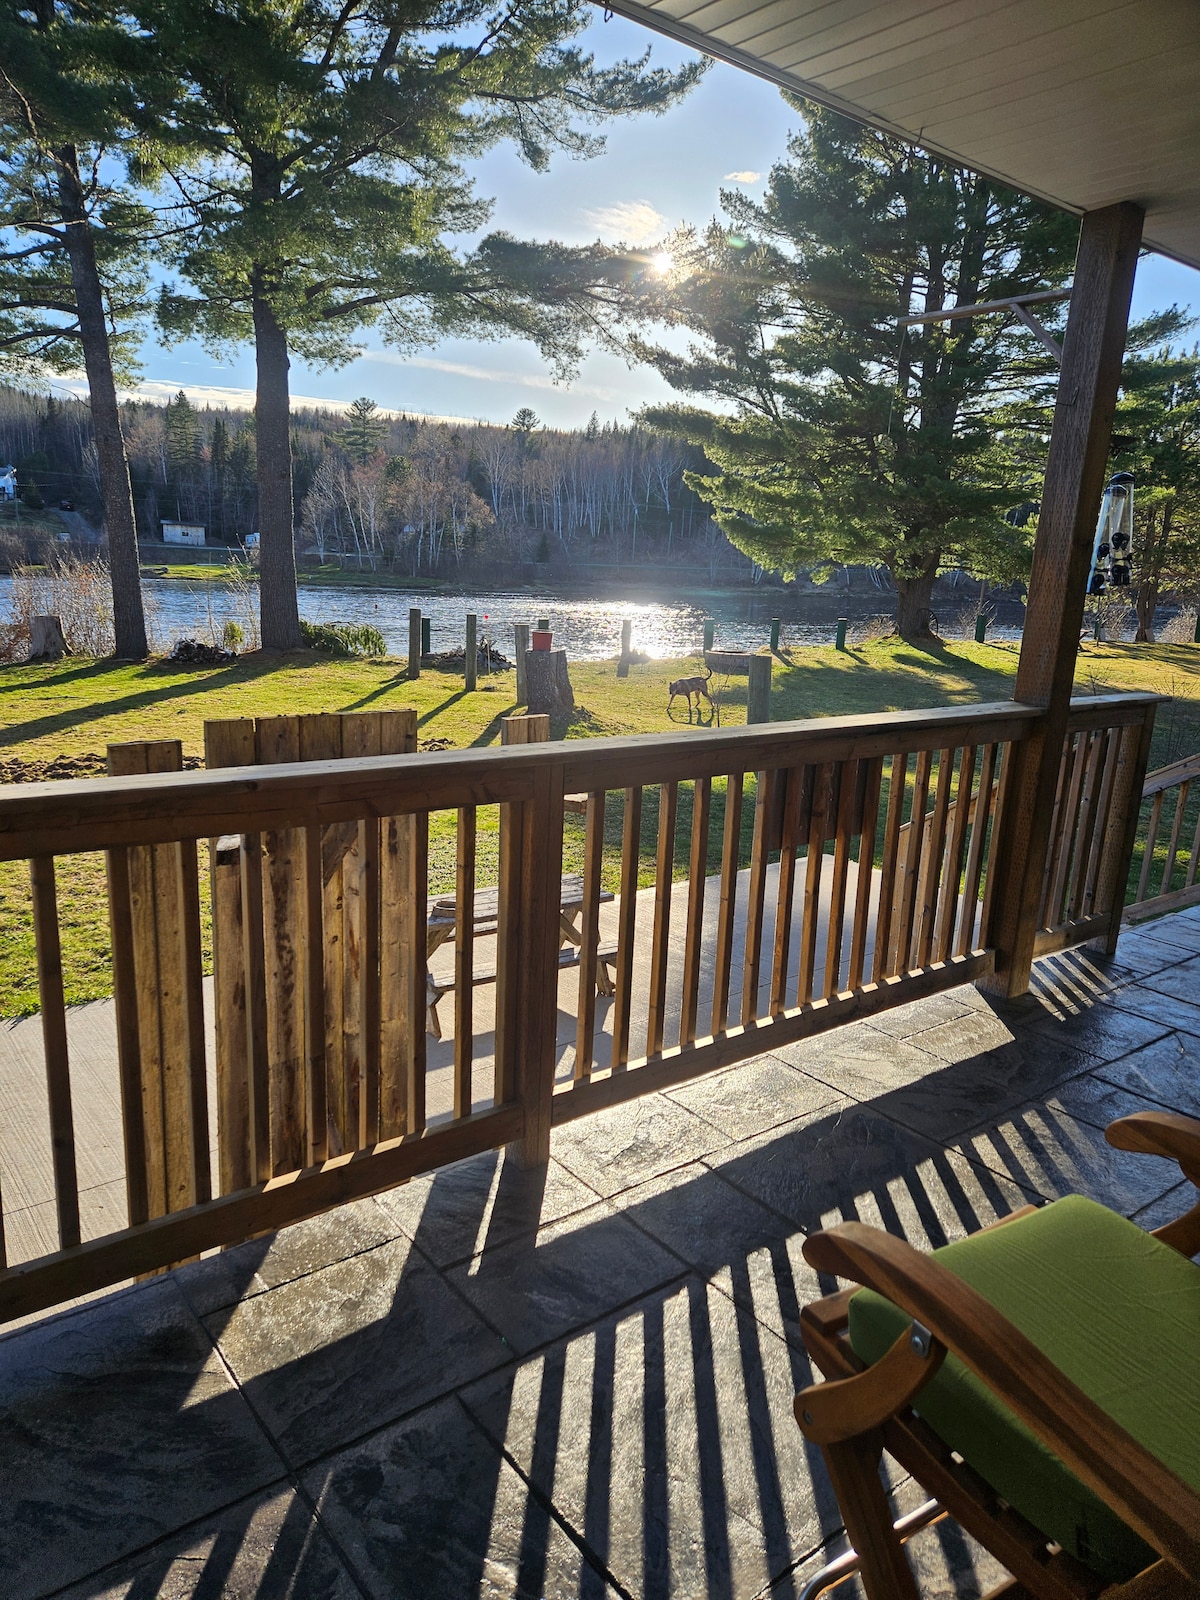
(442, 924)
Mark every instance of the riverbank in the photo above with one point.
(56, 720)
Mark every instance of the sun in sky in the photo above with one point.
(661, 262)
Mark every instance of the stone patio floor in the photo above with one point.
(577, 1385)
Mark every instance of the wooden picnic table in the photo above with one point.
(442, 924)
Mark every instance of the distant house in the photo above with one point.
(8, 483)
(183, 533)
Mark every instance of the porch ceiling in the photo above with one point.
(1082, 102)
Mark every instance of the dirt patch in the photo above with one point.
(28, 769)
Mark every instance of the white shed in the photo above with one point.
(183, 533)
(8, 483)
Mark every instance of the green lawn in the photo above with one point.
(57, 720)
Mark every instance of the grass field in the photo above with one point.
(55, 721)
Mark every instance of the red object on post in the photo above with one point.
(542, 640)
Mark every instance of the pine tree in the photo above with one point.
(72, 266)
(1158, 422)
(335, 134)
(364, 430)
(851, 441)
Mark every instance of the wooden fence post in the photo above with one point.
(1075, 472)
(626, 642)
(758, 690)
(158, 977)
(414, 642)
(471, 654)
(520, 647)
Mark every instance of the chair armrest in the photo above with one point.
(1156, 1503)
(1160, 1133)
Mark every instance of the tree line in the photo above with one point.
(385, 493)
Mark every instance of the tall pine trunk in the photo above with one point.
(129, 622)
(278, 608)
(913, 606)
(1146, 604)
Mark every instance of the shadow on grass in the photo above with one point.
(153, 694)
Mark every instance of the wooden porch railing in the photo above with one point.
(748, 887)
(1167, 845)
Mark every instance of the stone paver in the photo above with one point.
(574, 1383)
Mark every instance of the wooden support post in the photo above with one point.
(1075, 472)
(520, 647)
(776, 625)
(414, 642)
(839, 638)
(426, 636)
(758, 690)
(471, 658)
(626, 640)
(710, 630)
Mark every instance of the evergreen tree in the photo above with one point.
(334, 133)
(1158, 420)
(72, 255)
(846, 440)
(364, 431)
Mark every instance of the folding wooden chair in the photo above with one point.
(1041, 1379)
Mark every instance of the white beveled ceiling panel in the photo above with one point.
(1083, 102)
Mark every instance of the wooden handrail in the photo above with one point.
(1184, 771)
(74, 815)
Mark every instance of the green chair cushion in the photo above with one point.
(1118, 1312)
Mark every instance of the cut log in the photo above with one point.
(46, 640)
(548, 682)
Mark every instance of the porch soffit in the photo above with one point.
(1081, 102)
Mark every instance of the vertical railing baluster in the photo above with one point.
(818, 828)
(589, 928)
(932, 867)
(865, 872)
(906, 919)
(1081, 856)
(1181, 794)
(1057, 878)
(973, 873)
(631, 833)
(54, 1042)
(694, 938)
(731, 837)
(756, 898)
(789, 842)
(882, 966)
(954, 856)
(1102, 815)
(1156, 807)
(464, 961)
(847, 787)
(660, 950)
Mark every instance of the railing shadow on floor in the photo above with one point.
(637, 1405)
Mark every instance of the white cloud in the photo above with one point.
(742, 177)
(461, 369)
(210, 394)
(629, 221)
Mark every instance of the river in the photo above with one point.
(589, 629)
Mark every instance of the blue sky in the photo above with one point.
(655, 173)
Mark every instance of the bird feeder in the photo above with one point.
(1112, 552)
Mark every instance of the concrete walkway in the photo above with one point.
(483, 1384)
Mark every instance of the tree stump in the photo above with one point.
(46, 641)
(548, 682)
